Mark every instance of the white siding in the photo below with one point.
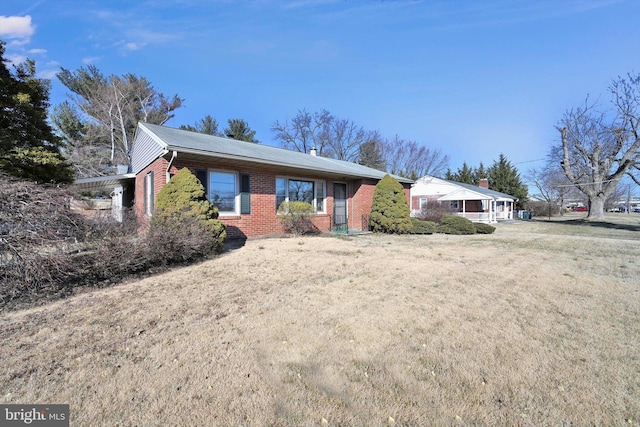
(145, 150)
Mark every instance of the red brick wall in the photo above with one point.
(415, 201)
(263, 219)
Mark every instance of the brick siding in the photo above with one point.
(263, 219)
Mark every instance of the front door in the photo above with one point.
(340, 208)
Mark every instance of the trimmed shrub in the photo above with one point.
(182, 203)
(422, 227)
(482, 228)
(296, 217)
(453, 224)
(390, 210)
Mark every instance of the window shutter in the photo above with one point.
(145, 197)
(201, 174)
(245, 194)
(151, 192)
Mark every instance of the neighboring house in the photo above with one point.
(116, 193)
(247, 181)
(477, 203)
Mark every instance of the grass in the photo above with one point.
(536, 324)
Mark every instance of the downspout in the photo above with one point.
(168, 174)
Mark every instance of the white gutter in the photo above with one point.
(168, 174)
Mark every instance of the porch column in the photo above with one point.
(464, 207)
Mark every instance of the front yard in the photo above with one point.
(536, 324)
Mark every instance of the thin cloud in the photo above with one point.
(90, 60)
(49, 74)
(15, 59)
(37, 51)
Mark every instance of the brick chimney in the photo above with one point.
(484, 183)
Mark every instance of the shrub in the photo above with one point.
(182, 204)
(422, 227)
(484, 228)
(47, 250)
(296, 217)
(434, 211)
(453, 224)
(390, 210)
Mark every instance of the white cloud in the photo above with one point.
(16, 59)
(16, 27)
(47, 74)
(134, 46)
(37, 51)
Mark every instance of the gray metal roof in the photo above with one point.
(482, 190)
(207, 145)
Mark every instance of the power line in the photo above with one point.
(529, 161)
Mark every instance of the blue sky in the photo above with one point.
(473, 78)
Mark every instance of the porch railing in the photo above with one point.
(475, 216)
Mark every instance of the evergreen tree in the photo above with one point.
(464, 174)
(239, 129)
(370, 155)
(28, 146)
(183, 199)
(505, 178)
(390, 209)
(207, 125)
(479, 173)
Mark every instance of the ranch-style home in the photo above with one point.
(247, 181)
(476, 203)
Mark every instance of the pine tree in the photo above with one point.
(239, 130)
(505, 178)
(390, 210)
(370, 154)
(28, 146)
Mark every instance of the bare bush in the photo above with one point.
(47, 251)
(435, 211)
(297, 217)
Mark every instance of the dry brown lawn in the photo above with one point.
(537, 324)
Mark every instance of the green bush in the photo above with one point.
(182, 200)
(484, 228)
(422, 227)
(453, 224)
(390, 210)
(296, 217)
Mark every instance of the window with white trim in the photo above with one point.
(223, 191)
(423, 203)
(302, 190)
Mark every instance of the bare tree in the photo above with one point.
(345, 139)
(599, 147)
(305, 131)
(552, 184)
(108, 110)
(408, 159)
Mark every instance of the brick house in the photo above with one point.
(248, 181)
(475, 202)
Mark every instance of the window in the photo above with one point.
(148, 194)
(454, 204)
(223, 190)
(423, 203)
(292, 190)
